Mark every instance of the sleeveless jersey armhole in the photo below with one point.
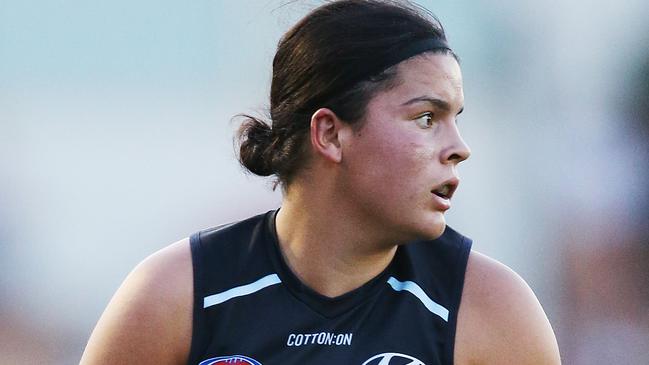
(460, 267)
(197, 316)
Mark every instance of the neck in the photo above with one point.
(329, 249)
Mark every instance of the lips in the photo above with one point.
(444, 192)
(446, 189)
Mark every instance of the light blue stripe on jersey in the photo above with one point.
(417, 291)
(240, 291)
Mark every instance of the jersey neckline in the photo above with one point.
(323, 305)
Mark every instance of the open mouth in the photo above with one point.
(446, 190)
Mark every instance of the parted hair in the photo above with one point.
(317, 64)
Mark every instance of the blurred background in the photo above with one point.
(116, 140)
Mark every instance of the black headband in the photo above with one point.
(398, 54)
(384, 59)
(395, 55)
(413, 49)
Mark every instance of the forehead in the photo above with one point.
(434, 75)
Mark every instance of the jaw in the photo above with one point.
(434, 225)
(426, 225)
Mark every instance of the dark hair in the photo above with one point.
(335, 57)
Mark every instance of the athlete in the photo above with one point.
(357, 266)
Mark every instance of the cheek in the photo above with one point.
(396, 168)
(384, 158)
(409, 156)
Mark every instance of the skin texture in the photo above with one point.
(363, 192)
(402, 153)
(149, 319)
(500, 320)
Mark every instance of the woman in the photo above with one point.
(358, 265)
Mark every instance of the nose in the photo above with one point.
(456, 149)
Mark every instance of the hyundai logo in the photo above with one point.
(392, 358)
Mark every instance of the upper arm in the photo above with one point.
(500, 320)
(149, 319)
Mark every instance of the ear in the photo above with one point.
(325, 134)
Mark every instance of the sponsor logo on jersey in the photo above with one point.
(230, 360)
(322, 338)
(392, 358)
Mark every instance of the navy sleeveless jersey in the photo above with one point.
(249, 307)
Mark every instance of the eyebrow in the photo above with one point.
(433, 101)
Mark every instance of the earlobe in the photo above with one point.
(325, 136)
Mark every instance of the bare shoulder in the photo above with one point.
(149, 319)
(500, 320)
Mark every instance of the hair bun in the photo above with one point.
(255, 141)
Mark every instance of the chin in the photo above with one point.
(436, 232)
(431, 229)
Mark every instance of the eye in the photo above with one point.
(425, 120)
